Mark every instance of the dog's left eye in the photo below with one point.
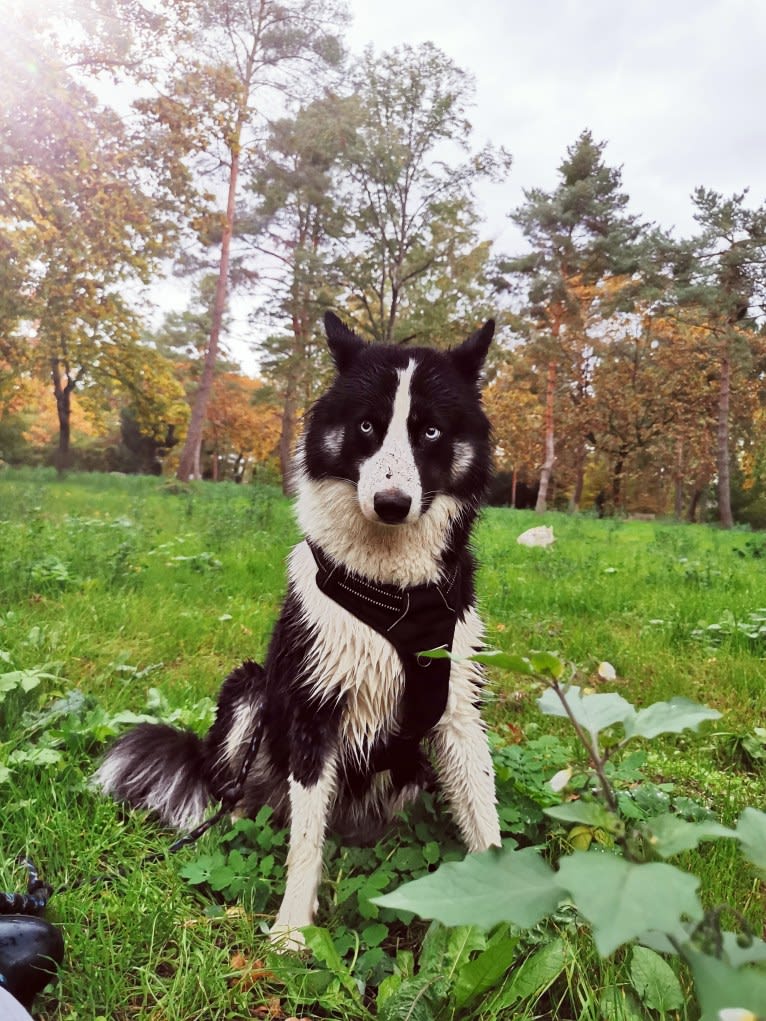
(365, 427)
(431, 433)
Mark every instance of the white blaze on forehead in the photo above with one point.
(393, 466)
(397, 428)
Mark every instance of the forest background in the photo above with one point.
(243, 150)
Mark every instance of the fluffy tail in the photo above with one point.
(175, 774)
(160, 769)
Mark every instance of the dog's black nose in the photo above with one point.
(392, 505)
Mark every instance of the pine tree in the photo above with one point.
(580, 237)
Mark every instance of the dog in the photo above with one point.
(390, 473)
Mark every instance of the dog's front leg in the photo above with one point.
(464, 764)
(309, 811)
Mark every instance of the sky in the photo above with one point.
(676, 88)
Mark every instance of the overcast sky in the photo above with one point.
(676, 88)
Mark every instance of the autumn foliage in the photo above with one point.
(629, 372)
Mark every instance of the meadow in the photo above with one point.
(123, 598)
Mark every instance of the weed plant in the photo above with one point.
(128, 598)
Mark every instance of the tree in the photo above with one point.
(411, 173)
(294, 223)
(580, 238)
(719, 277)
(77, 231)
(228, 58)
(241, 429)
(514, 408)
(648, 391)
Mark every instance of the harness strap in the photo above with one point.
(412, 619)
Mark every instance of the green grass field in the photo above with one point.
(122, 596)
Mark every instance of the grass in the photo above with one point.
(112, 586)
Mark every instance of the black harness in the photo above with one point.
(412, 620)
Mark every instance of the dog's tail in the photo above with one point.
(164, 770)
(175, 774)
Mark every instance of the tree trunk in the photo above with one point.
(287, 436)
(550, 449)
(189, 465)
(691, 514)
(574, 503)
(619, 465)
(724, 469)
(63, 393)
(514, 480)
(678, 481)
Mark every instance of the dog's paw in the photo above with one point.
(287, 939)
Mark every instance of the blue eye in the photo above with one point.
(431, 433)
(365, 427)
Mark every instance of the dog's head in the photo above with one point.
(402, 426)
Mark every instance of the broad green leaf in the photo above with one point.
(438, 653)
(201, 869)
(373, 935)
(128, 718)
(738, 955)
(503, 885)
(593, 712)
(720, 987)
(388, 987)
(620, 1004)
(581, 837)
(35, 756)
(547, 663)
(489, 657)
(416, 999)
(655, 981)
(431, 853)
(670, 834)
(504, 661)
(751, 832)
(535, 663)
(5, 774)
(27, 680)
(669, 718)
(588, 813)
(434, 948)
(462, 941)
(535, 975)
(622, 900)
(319, 941)
(485, 971)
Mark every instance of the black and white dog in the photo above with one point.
(390, 473)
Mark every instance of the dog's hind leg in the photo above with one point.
(464, 764)
(309, 814)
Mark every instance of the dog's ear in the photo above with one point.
(469, 357)
(343, 343)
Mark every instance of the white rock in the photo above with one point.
(540, 536)
(606, 671)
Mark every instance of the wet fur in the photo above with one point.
(330, 689)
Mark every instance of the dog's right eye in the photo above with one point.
(365, 427)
